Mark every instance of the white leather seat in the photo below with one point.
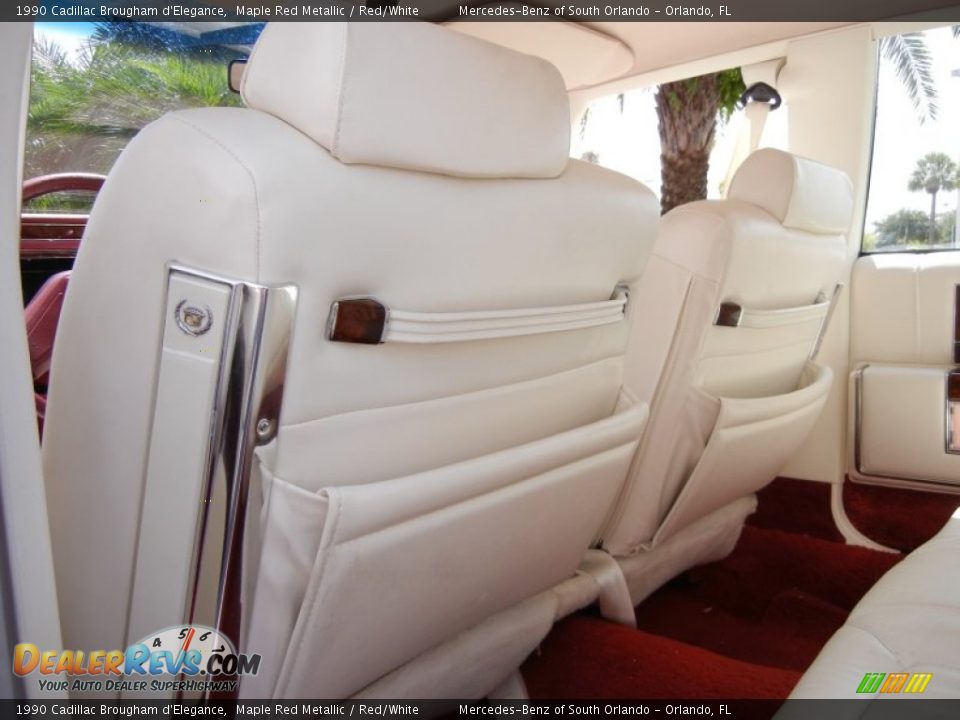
(729, 404)
(909, 622)
(424, 500)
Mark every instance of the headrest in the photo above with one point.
(800, 193)
(413, 95)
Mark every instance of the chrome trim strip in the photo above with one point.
(858, 416)
(255, 393)
(822, 332)
(247, 405)
(951, 440)
(956, 323)
(215, 436)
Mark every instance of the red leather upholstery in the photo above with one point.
(42, 314)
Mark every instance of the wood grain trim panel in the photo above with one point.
(357, 320)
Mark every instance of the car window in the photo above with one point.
(621, 132)
(914, 184)
(94, 86)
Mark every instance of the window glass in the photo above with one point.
(61, 201)
(912, 202)
(621, 132)
(95, 85)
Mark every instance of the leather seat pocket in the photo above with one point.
(753, 438)
(356, 580)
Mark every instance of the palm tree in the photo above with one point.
(688, 112)
(912, 62)
(934, 172)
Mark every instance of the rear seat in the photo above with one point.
(909, 622)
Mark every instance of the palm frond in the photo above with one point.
(912, 62)
(84, 110)
(48, 54)
(584, 119)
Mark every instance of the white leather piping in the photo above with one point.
(420, 327)
(760, 319)
(851, 535)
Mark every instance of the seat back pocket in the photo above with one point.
(400, 566)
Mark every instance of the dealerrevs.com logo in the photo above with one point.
(205, 660)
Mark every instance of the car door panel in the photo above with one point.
(903, 334)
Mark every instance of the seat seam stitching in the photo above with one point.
(323, 555)
(441, 398)
(507, 486)
(895, 655)
(250, 175)
(764, 351)
(335, 140)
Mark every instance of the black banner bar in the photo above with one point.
(887, 708)
(476, 10)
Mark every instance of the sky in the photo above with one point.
(900, 140)
(628, 141)
(70, 36)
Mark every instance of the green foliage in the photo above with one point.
(911, 229)
(946, 227)
(584, 121)
(731, 87)
(729, 83)
(935, 171)
(83, 113)
(67, 201)
(914, 67)
(903, 228)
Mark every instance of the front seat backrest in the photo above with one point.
(448, 476)
(744, 287)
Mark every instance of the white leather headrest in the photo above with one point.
(800, 193)
(413, 95)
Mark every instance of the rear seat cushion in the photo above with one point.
(908, 622)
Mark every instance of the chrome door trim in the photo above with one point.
(859, 475)
(825, 323)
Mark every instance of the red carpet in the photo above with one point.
(603, 660)
(744, 627)
(901, 519)
(796, 506)
(775, 600)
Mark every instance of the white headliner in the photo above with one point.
(663, 45)
(593, 54)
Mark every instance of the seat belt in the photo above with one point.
(757, 114)
(757, 101)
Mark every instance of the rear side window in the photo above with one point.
(623, 132)
(94, 86)
(915, 174)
